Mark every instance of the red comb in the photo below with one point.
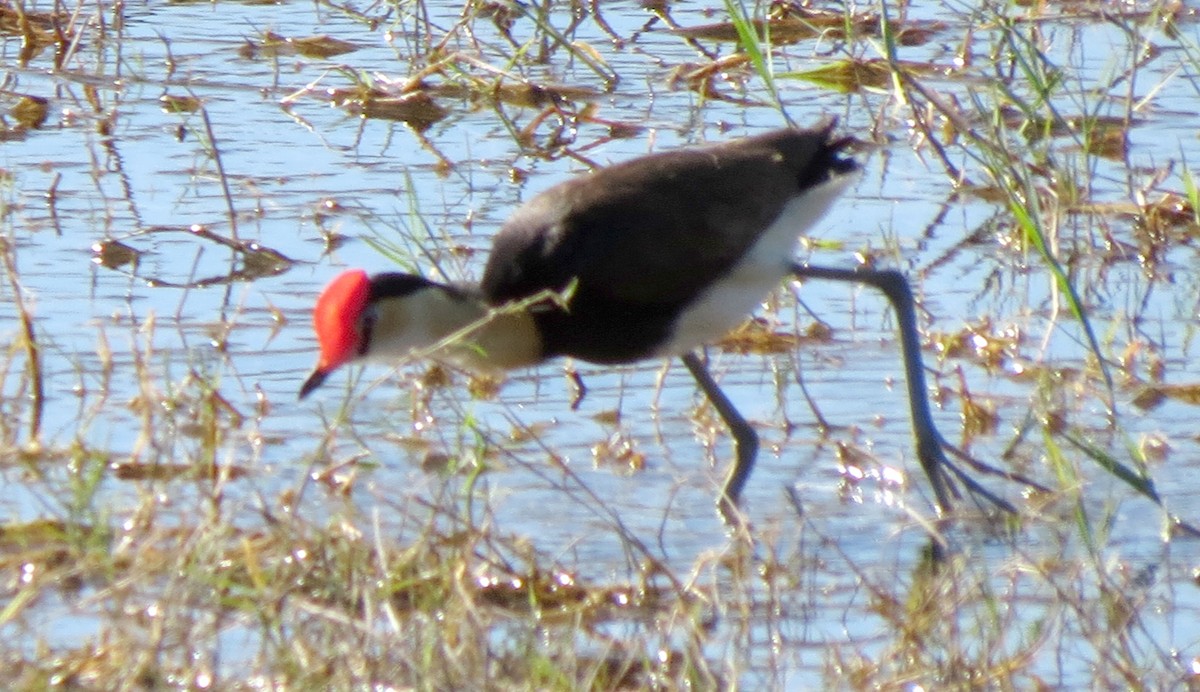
(335, 318)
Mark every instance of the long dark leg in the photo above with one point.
(745, 440)
(896, 288)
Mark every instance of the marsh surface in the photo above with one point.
(181, 179)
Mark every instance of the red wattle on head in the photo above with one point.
(336, 317)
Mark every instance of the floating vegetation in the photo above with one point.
(1105, 136)
(792, 23)
(174, 103)
(30, 111)
(134, 471)
(26, 112)
(54, 554)
(113, 254)
(618, 451)
(1151, 396)
(979, 416)
(251, 260)
(418, 109)
(413, 101)
(273, 45)
(757, 335)
(984, 343)
(1171, 215)
(38, 30)
(781, 30)
(523, 94)
(705, 78)
(850, 76)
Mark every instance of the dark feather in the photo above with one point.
(646, 237)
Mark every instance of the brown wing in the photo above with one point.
(660, 228)
(644, 238)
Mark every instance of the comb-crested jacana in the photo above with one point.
(656, 257)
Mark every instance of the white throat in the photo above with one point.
(454, 327)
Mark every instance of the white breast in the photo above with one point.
(727, 302)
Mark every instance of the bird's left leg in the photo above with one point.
(745, 439)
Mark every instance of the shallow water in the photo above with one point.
(298, 168)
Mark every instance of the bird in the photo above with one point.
(654, 257)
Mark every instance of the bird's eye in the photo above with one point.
(367, 322)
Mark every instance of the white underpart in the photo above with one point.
(415, 322)
(726, 303)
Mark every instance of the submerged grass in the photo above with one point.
(176, 556)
